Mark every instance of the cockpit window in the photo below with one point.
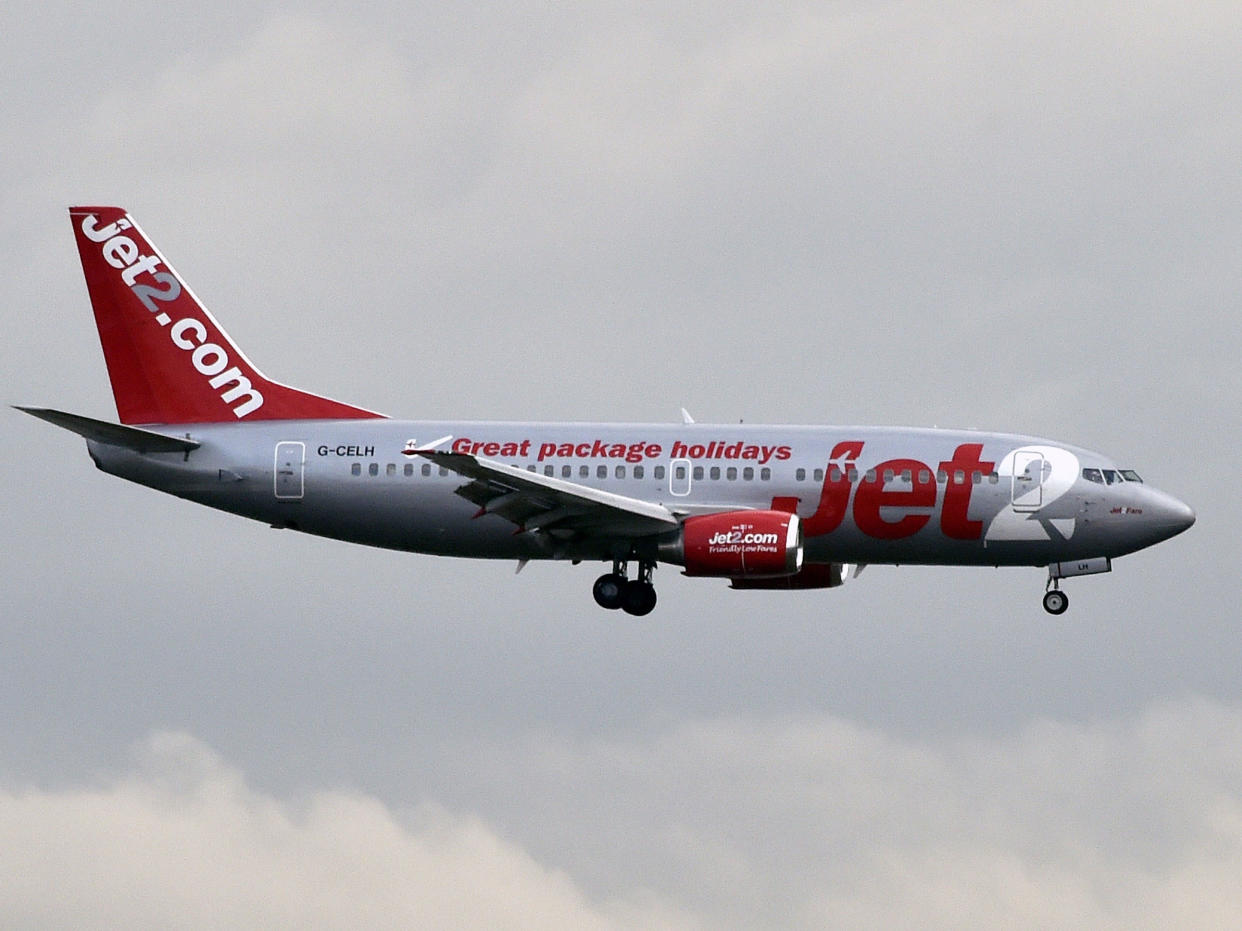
(1111, 476)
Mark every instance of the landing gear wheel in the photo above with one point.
(1056, 601)
(609, 589)
(638, 598)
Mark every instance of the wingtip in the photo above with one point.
(43, 413)
(434, 445)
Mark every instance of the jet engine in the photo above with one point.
(812, 575)
(737, 544)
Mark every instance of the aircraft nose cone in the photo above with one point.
(1170, 515)
(1184, 516)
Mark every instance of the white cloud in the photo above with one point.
(727, 823)
(182, 841)
(818, 822)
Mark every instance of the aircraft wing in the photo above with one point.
(536, 502)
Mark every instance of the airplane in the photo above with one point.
(776, 507)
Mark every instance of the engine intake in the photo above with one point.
(737, 544)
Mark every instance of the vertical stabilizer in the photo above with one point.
(168, 359)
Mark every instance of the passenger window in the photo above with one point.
(819, 475)
(659, 473)
(870, 475)
(976, 476)
(924, 476)
(959, 477)
(391, 469)
(638, 471)
(584, 471)
(888, 476)
(765, 474)
(443, 472)
(530, 467)
(942, 476)
(907, 475)
(409, 468)
(549, 470)
(698, 473)
(799, 474)
(355, 469)
(852, 474)
(601, 472)
(748, 474)
(567, 471)
(993, 478)
(715, 473)
(731, 473)
(373, 469)
(680, 473)
(620, 471)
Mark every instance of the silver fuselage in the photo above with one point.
(1019, 500)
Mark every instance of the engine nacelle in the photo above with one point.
(737, 544)
(812, 575)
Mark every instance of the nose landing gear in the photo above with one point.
(1056, 601)
(614, 590)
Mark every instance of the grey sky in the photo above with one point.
(1013, 217)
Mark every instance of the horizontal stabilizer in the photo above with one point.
(113, 434)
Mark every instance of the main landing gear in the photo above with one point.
(634, 596)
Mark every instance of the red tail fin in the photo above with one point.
(168, 359)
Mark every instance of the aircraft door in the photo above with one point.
(1029, 472)
(290, 469)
